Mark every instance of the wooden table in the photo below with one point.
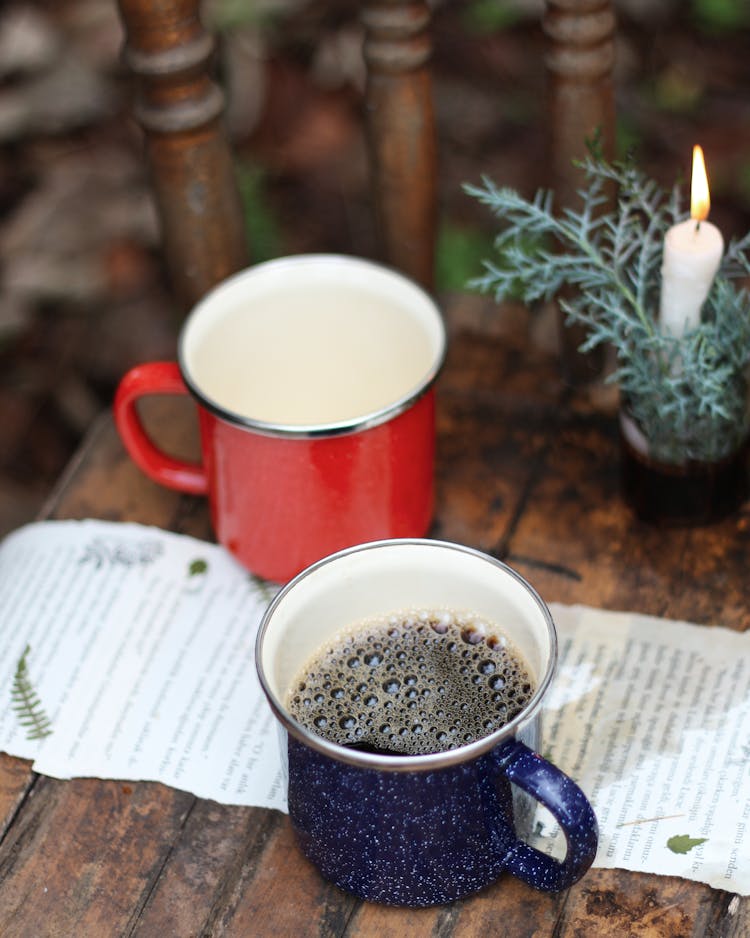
(528, 471)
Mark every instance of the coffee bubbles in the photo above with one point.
(412, 683)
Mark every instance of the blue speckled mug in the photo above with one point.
(426, 829)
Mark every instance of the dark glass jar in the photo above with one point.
(681, 494)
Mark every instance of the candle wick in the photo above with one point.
(697, 225)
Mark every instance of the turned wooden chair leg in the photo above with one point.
(180, 109)
(579, 61)
(401, 133)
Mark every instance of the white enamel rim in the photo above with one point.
(430, 761)
(429, 313)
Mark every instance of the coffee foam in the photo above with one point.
(412, 683)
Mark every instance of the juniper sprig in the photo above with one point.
(688, 395)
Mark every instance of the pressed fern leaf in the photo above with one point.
(262, 587)
(26, 703)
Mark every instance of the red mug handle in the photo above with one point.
(154, 378)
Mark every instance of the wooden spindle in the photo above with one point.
(401, 133)
(579, 61)
(180, 109)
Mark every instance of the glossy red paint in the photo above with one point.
(279, 503)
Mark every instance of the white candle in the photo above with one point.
(692, 254)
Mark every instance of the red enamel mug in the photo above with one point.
(314, 379)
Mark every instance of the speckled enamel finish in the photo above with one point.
(428, 837)
(425, 829)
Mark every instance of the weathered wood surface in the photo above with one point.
(527, 471)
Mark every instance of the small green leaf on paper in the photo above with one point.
(683, 843)
(197, 567)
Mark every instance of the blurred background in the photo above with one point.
(83, 291)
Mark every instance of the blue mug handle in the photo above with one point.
(570, 808)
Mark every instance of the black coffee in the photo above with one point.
(411, 684)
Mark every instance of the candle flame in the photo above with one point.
(700, 200)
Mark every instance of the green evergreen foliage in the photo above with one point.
(688, 395)
(485, 17)
(457, 249)
(264, 237)
(720, 16)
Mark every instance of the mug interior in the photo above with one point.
(386, 577)
(312, 342)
